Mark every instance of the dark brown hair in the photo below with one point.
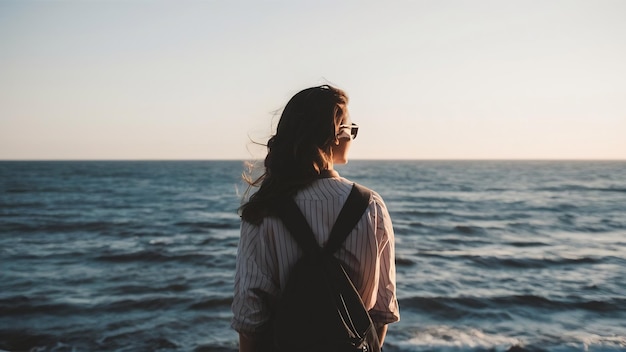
(300, 150)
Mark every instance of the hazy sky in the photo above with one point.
(427, 79)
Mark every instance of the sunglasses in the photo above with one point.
(354, 129)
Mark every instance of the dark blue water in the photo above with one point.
(139, 256)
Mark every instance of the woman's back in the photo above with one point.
(364, 252)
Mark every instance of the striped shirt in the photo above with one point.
(267, 253)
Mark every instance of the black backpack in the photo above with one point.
(320, 309)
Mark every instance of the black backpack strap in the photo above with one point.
(298, 226)
(349, 216)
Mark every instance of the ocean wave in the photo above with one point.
(469, 229)
(419, 213)
(445, 338)
(491, 262)
(522, 244)
(19, 306)
(464, 241)
(442, 338)
(59, 227)
(204, 225)
(150, 303)
(498, 263)
(416, 199)
(455, 307)
(22, 305)
(580, 188)
(212, 302)
(18, 205)
(17, 190)
(444, 307)
(152, 256)
(144, 289)
(140, 340)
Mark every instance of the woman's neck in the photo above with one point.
(330, 172)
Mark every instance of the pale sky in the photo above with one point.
(427, 79)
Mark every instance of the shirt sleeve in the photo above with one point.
(255, 280)
(386, 308)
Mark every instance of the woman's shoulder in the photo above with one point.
(376, 200)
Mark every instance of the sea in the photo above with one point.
(140, 255)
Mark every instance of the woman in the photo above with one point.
(314, 134)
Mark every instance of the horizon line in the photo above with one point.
(354, 159)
